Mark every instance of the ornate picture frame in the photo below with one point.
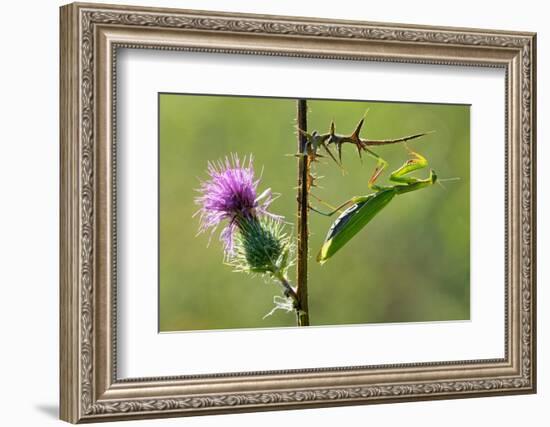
(90, 37)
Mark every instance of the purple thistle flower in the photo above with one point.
(231, 195)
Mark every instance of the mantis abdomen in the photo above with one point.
(353, 220)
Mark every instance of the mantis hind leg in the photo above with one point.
(333, 209)
(354, 200)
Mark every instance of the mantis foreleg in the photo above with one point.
(408, 183)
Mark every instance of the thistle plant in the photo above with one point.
(253, 238)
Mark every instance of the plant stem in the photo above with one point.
(288, 289)
(290, 292)
(302, 312)
(302, 318)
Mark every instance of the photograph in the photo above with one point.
(384, 199)
(261, 211)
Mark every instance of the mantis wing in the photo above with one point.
(352, 220)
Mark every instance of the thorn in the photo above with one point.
(355, 135)
(325, 147)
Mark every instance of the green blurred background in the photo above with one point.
(411, 263)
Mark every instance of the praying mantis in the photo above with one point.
(360, 210)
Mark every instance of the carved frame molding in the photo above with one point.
(90, 37)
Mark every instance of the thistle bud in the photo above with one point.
(262, 246)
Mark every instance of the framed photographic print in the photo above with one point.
(265, 212)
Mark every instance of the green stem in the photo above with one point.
(288, 289)
(301, 316)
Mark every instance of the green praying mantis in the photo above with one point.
(360, 210)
